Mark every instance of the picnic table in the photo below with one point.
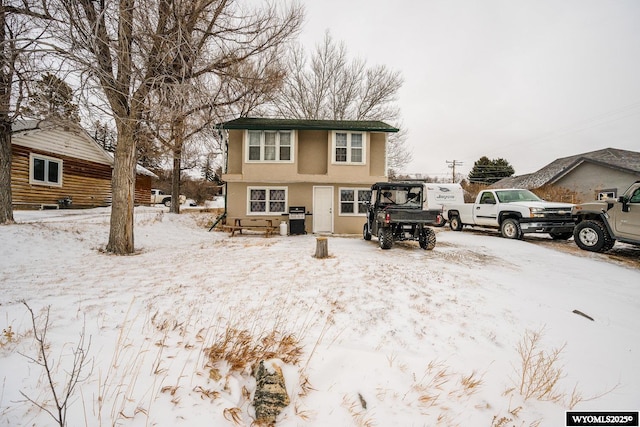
(252, 224)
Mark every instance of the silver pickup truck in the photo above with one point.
(599, 224)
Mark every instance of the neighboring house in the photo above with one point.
(590, 176)
(51, 163)
(325, 166)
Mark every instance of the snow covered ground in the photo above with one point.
(403, 337)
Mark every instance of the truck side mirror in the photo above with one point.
(625, 203)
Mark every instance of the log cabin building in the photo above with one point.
(62, 166)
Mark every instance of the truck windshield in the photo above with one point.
(507, 196)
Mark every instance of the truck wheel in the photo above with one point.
(455, 224)
(561, 236)
(510, 229)
(366, 233)
(427, 239)
(592, 236)
(385, 238)
(167, 202)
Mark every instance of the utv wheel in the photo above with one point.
(561, 236)
(366, 233)
(592, 236)
(510, 229)
(427, 239)
(385, 238)
(455, 224)
(167, 202)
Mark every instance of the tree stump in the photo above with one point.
(322, 247)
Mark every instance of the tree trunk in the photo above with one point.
(175, 183)
(322, 247)
(177, 162)
(6, 210)
(123, 186)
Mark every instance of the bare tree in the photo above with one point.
(132, 47)
(19, 39)
(329, 85)
(80, 363)
(185, 112)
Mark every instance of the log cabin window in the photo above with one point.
(45, 170)
(269, 146)
(348, 147)
(266, 200)
(353, 201)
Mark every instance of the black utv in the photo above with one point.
(395, 213)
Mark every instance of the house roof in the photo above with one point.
(624, 160)
(254, 123)
(56, 140)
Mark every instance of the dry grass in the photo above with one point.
(577, 397)
(240, 348)
(471, 383)
(472, 190)
(539, 370)
(555, 193)
(7, 337)
(552, 193)
(432, 384)
(358, 411)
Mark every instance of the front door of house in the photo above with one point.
(323, 209)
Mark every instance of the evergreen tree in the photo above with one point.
(208, 169)
(487, 171)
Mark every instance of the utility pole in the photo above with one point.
(452, 165)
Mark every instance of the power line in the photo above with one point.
(452, 165)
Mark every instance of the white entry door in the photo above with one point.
(323, 209)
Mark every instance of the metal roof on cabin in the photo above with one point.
(251, 123)
(625, 160)
(27, 125)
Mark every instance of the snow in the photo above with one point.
(400, 337)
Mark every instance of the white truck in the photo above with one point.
(514, 212)
(159, 196)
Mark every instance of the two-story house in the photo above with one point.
(325, 166)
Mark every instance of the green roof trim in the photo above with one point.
(250, 123)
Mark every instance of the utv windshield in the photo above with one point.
(407, 196)
(507, 196)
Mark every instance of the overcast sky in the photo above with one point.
(526, 80)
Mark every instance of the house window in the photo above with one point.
(45, 170)
(269, 146)
(609, 193)
(353, 201)
(267, 200)
(348, 147)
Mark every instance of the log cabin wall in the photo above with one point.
(87, 183)
(86, 169)
(143, 190)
